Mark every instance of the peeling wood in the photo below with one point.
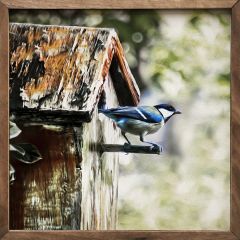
(100, 171)
(55, 68)
(74, 186)
(59, 75)
(47, 195)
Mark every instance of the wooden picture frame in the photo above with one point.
(231, 5)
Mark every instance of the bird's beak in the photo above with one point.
(177, 112)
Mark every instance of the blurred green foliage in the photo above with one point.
(181, 57)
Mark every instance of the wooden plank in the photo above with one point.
(120, 235)
(47, 195)
(57, 117)
(4, 120)
(100, 171)
(235, 122)
(124, 4)
(55, 69)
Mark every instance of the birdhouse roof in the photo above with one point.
(61, 69)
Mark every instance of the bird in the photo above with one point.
(142, 120)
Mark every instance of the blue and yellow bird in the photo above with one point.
(142, 120)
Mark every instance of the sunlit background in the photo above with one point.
(183, 58)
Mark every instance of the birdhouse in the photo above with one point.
(59, 77)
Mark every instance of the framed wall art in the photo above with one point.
(119, 120)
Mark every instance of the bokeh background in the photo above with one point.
(183, 58)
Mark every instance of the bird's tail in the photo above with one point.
(107, 113)
(104, 111)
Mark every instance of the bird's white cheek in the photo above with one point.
(166, 113)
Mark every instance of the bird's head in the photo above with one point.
(167, 111)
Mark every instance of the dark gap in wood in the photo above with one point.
(120, 85)
(52, 117)
(77, 139)
(102, 101)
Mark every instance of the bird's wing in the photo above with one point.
(151, 113)
(146, 114)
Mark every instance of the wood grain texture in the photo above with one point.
(100, 171)
(73, 187)
(57, 68)
(124, 4)
(120, 235)
(3, 119)
(47, 194)
(235, 122)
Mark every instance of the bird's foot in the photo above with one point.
(157, 148)
(126, 146)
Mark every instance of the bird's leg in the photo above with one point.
(123, 133)
(153, 144)
(142, 140)
(126, 145)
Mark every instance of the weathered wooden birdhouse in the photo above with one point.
(59, 77)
